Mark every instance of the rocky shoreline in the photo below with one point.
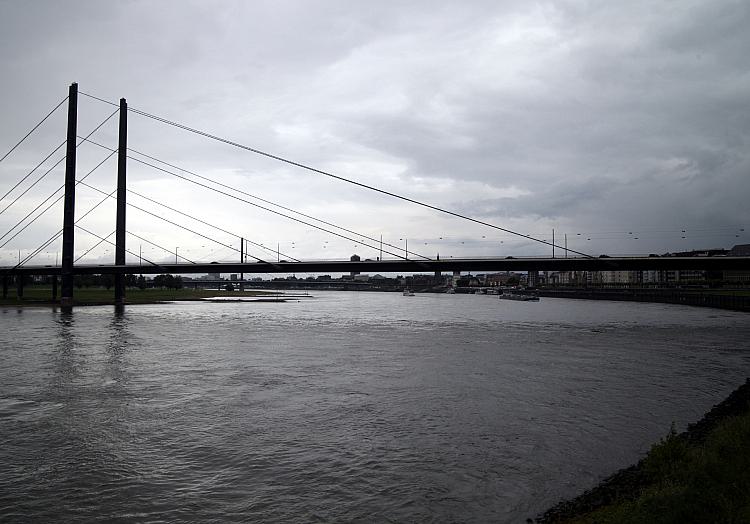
(628, 483)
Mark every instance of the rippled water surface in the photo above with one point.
(364, 407)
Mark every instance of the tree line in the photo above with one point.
(107, 281)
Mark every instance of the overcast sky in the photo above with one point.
(620, 124)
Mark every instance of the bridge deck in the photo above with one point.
(411, 266)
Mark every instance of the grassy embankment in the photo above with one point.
(702, 475)
(42, 295)
(731, 292)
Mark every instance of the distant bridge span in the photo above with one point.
(720, 263)
(68, 268)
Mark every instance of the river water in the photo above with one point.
(366, 407)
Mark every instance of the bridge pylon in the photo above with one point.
(121, 202)
(66, 292)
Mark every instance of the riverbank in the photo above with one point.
(700, 475)
(42, 296)
(735, 300)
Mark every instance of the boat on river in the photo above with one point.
(519, 297)
(408, 293)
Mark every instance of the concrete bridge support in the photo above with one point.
(122, 150)
(66, 300)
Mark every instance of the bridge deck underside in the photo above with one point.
(413, 266)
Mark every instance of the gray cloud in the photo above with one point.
(584, 117)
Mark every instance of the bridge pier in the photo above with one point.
(5, 286)
(66, 300)
(19, 286)
(121, 203)
(54, 288)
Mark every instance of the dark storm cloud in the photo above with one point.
(643, 121)
(577, 115)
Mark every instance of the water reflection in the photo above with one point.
(118, 331)
(116, 364)
(119, 310)
(66, 368)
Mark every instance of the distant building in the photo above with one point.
(468, 281)
(743, 277)
(501, 279)
(615, 277)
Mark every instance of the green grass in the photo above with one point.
(42, 295)
(707, 482)
(734, 292)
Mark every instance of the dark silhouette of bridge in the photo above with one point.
(403, 263)
(408, 266)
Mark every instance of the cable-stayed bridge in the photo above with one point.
(390, 259)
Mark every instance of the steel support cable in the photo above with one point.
(31, 213)
(89, 250)
(101, 240)
(337, 177)
(41, 248)
(270, 202)
(191, 216)
(46, 200)
(261, 207)
(209, 224)
(328, 174)
(157, 245)
(266, 209)
(54, 166)
(200, 220)
(35, 168)
(33, 129)
(59, 232)
(113, 244)
(48, 207)
(178, 225)
(357, 241)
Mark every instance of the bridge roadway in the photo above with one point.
(719, 263)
